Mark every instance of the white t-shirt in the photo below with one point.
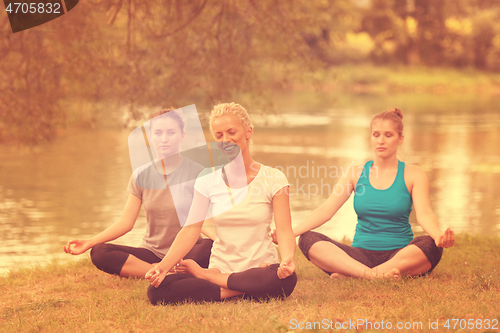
(242, 230)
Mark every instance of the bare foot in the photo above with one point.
(393, 274)
(338, 276)
(191, 267)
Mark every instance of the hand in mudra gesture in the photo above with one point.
(447, 239)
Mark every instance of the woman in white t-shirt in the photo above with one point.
(244, 195)
(165, 189)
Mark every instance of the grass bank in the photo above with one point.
(337, 86)
(378, 88)
(370, 79)
(76, 297)
(420, 80)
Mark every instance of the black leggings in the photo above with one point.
(371, 258)
(256, 283)
(110, 258)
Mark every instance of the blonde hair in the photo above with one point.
(394, 114)
(230, 109)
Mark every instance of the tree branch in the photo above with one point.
(185, 24)
(113, 18)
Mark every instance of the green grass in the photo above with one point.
(416, 89)
(366, 78)
(76, 297)
(343, 86)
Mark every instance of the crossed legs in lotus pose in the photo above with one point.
(409, 261)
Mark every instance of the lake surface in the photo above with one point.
(75, 186)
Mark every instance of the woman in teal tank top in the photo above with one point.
(383, 215)
(385, 190)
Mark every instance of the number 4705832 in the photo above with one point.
(471, 324)
(33, 7)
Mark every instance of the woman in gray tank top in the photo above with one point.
(165, 206)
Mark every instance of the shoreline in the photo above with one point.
(368, 79)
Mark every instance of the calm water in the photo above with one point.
(76, 186)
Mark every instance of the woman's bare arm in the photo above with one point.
(117, 229)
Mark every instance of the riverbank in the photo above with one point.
(333, 87)
(76, 297)
(348, 87)
(370, 79)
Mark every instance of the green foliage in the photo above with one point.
(434, 43)
(149, 55)
(31, 87)
(158, 54)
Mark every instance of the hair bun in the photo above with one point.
(397, 111)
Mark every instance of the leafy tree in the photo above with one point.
(161, 53)
(430, 17)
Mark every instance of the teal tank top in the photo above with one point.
(383, 215)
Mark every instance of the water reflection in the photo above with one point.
(451, 148)
(76, 186)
